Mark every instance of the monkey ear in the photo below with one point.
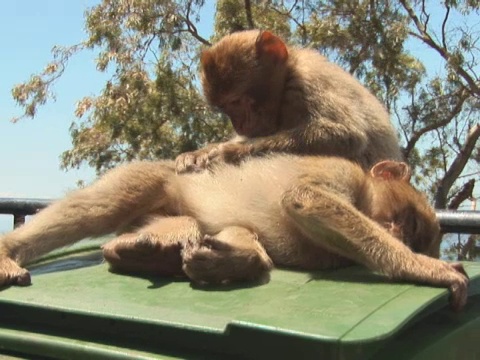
(391, 170)
(271, 47)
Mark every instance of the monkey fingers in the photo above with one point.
(12, 274)
(459, 267)
(441, 273)
(196, 161)
(143, 253)
(234, 254)
(186, 162)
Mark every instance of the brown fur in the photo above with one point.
(234, 222)
(285, 99)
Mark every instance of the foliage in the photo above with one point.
(152, 107)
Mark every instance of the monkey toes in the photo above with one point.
(204, 261)
(12, 274)
(143, 253)
(212, 261)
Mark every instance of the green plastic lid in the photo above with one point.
(76, 308)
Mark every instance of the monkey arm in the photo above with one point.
(322, 137)
(335, 224)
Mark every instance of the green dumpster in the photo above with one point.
(77, 309)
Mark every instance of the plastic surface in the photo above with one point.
(77, 307)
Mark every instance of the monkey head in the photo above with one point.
(402, 210)
(243, 75)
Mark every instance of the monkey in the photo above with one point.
(235, 222)
(283, 99)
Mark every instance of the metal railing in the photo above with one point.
(20, 208)
(467, 222)
(456, 221)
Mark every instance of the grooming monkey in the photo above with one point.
(285, 99)
(234, 223)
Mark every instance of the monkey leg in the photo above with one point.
(115, 200)
(234, 254)
(335, 224)
(154, 249)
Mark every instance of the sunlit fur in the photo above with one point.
(285, 99)
(234, 222)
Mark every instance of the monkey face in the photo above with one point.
(402, 210)
(406, 214)
(249, 116)
(243, 76)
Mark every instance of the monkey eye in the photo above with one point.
(229, 105)
(414, 223)
(235, 102)
(410, 221)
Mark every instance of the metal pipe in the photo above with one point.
(20, 208)
(459, 221)
(451, 221)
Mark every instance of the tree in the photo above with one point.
(152, 108)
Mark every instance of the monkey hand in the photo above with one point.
(12, 274)
(195, 161)
(458, 286)
(201, 159)
(451, 275)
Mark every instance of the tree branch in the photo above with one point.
(465, 193)
(444, 26)
(248, 11)
(468, 248)
(456, 167)
(425, 37)
(289, 16)
(192, 29)
(419, 133)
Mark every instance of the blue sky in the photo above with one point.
(30, 149)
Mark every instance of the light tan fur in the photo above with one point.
(234, 222)
(286, 99)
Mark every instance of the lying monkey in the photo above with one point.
(234, 223)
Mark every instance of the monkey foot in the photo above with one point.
(143, 253)
(12, 274)
(213, 261)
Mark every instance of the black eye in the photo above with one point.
(414, 224)
(411, 221)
